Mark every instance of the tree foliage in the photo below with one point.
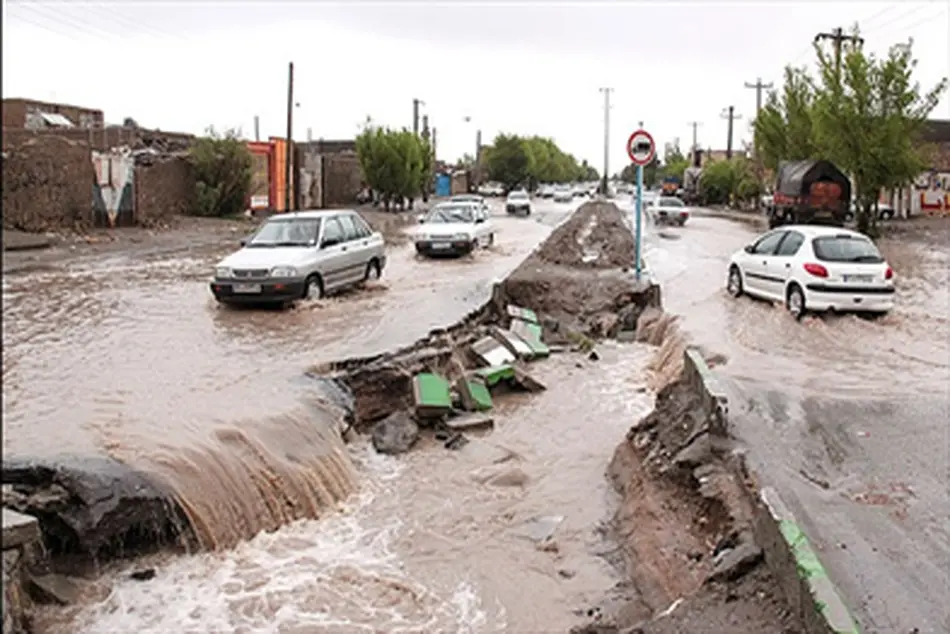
(526, 161)
(729, 182)
(221, 164)
(397, 164)
(652, 172)
(864, 114)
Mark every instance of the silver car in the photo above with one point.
(300, 255)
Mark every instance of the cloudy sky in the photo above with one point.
(523, 67)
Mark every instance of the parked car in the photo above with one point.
(884, 212)
(580, 191)
(814, 268)
(668, 209)
(454, 229)
(545, 191)
(518, 202)
(491, 189)
(563, 194)
(300, 255)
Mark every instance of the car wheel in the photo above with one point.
(491, 240)
(313, 287)
(373, 271)
(734, 285)
(795, 301)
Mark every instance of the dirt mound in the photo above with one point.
(594, 237)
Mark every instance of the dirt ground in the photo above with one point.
(595, 237)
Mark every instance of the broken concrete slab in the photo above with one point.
(526, 381)
(54, 589)
(474, 394)
(395, 434)
(735, 562)
(495, 374)
(515, 344)
(432, 396)
(470, 422)
(525, 314)
(531, 335)
(19, 529)
(492, 351)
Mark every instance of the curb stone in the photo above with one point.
(810, 569)
(826, 611)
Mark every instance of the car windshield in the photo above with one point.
(287, 232)
(670, 202)
(845, 248)
(451, 213)
(517, 195)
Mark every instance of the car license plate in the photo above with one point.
(441, 245)
(247, 289)
(863, 279)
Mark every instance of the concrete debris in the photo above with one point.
(492, 352)
(528, 382)
(456, 442)
(395, 434)
(469, 422)
(54, 589)
(736, 562)
(696, 453)
(515, 344)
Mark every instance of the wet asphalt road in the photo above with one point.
(847, 418)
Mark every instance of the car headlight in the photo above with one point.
(222, 272)
(283, 271)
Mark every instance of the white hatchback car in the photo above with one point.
(814, 268)
(454, 229)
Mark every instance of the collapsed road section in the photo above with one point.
(500, 518)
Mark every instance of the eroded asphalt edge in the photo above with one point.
(789, 554)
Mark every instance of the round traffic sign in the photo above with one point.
(641, 148)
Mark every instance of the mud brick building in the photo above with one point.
(37, 115)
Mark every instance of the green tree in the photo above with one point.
(396, 163)
(222, 166)
(868, 117)
(729, 182)
(652, 173)
(783, 129)
(508, 161)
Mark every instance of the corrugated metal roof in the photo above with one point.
(57, 120)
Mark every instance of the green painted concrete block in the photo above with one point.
(431, 394)
(525, 314)
(495, 374)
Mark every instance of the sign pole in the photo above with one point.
(642, 149)
(639, 234)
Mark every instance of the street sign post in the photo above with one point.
(641, 148)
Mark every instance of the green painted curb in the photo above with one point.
(827, 600)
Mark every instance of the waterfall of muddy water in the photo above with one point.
(436, 541)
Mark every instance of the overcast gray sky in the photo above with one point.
(522, 67)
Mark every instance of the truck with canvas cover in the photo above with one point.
(810, 192)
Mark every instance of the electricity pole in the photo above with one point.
(695, 125)
(758, 87)
(290, 133)
(415, 115)
(837, 38)
(729, 114)
(257, 128)
(606, 92)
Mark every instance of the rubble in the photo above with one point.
(395, 434)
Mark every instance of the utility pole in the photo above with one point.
(290, 135)
(692, 151)
(606, 92)
(257, 128)
(415, 115)
(730, 114)
(758, 86)
(478, 156)
(837, 38)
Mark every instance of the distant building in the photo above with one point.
(712, 156)
(38, 115)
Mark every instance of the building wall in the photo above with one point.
(100, 139)
(164, 188)
(342, 180)
(47, 185)
(310, 178)
(16, 113)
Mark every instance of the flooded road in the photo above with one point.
(502, 535)
(847, 417)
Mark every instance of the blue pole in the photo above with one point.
(639, 222)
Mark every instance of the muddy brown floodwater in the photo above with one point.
(846, 416)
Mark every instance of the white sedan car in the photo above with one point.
(814, 268)
(454, 229)
(563, 194)
(668, 209)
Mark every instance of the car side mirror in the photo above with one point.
(421, 219)
(749, 248)
(244, 242)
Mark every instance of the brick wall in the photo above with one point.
(164, 189)
(101, 139)
(15, 112)
(309, 164)
(342, 180)
(47, 185)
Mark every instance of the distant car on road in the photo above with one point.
(884, 212)
(491, 189)
(814, 268)
(454, 229)
(668, 209)
(581, 191)
(563, 194)
(300, 255)
(545, 191)
(518, 202)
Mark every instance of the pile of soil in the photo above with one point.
(596, 229)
